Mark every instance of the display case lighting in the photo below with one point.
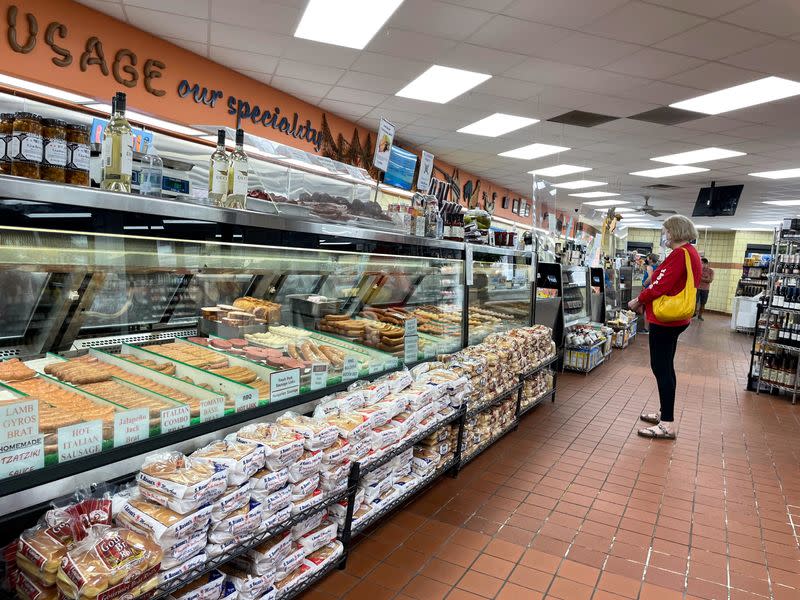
(132, 115)
(44, 90)
(75, 215)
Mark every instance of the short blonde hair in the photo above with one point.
(680, 228)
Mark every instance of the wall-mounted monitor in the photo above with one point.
(717, 201)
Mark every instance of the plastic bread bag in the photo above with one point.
(334, 477)
(375, 415)
(322, 557)
(399, 380)
(339, 509)
(336, 453)
(423, 413)
(216, 549)
(282, 446)
(91, 507)
(229, 591)
(184, 549)
(267, 481)
(385, 498)
(29, 588)
(318, 537)
(235, 497)
(279, 517)
(242, 459)
(304, 487)
(405, 422)
(351, 425)
(327, 407)
(265, 556)
(359, 449)
(306, 465)
(166, 527)
(393, 405)
(206, 587)
(272, 502)
(376, 391)
(239, 522)
(180, 483)
(314, 498)
(420, 369)
(250, 587)
(373, 491)
(363, 512)
(317, 434)
(378, 474)
(41, 548)
(423, 467)
(308, 524)
(168, 576)
(418, 395)
(293, 559)
(293, 580)
(111, 561)
(385, 436)
(406, 483)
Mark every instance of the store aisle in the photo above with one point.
(574, 505)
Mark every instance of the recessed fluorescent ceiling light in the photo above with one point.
(579, 184)
(697, 156)
(533, 151)
(559, 170)
(741, 96)
(349, 23)
(596, 195)
(783, 202)
(669, 171)
(441, 84)
(774, 222)
(44, 90)
(497, 124)
(605, 202)
(782, 174)
(750, 229)
(132, 115)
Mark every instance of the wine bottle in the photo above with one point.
(218, 167)
(117, 148)
(237, 174)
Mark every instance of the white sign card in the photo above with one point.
(425, 172)
(383, 145)
(176, 418)
(410, 326)
(131, 426)
(319, 376)
(20, 422)
(284, 384)
(245, 403)
(82, 439)
(26, 456)
(350, 368)
(411, 348)
(212, 408)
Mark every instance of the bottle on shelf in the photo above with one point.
(152, 175)
(117, 154)
(218, 167)
(238, 173)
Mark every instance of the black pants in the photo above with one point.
(663, 343)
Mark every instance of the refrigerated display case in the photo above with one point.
(576, 295)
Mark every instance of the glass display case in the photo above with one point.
(576, 295)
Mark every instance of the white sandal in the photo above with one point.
(657, 432)
(654, 418)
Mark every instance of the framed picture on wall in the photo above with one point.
(515, 206)
(524, 209)
(504, 202)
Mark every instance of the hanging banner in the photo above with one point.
(383, 145)
(425, 172)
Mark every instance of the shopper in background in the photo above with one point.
(669, 279)
(650, 265)
(706, 277)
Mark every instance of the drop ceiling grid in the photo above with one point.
(617, 57)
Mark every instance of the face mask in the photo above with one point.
(665, 239)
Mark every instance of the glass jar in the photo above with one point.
(26, 145)
(54, 150)
(77, 171)
(6, 130)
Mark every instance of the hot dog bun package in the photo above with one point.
(180, 483)
(108, 563)
(282, 446)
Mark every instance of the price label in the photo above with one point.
(411, 349)
(410, 327)
(245, 402)
(212, 408)
(131, 426)
(83, 439)
(429, 351)
(319, 376)
(375, 367)
(284, 384)
(20, 422)
(176, 418)
(26, 456)
(350, 369)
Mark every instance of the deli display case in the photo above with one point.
(577, 295)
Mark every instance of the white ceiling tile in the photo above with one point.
(654, 64)
(410, 44)
(168, 24)
(113, 9)
(188, 8)
(250, 40)
(642, 23)
(606, 82)
(398, 117)
(481, 59)
(345, 109)
(587, 50)
(319, 54)
(199, 48)
(777, 17)
(714, 41)
(299, 87)
(382, 64)
(572, 14)
(617, 107)
(344, 94)
(237, 59)
(548, 72)
(777, 58)
(517, 35)
(371, 83)
(258, 76)
(494, 6)
(274, 17)
(566, 97)
(705, 8)
(715, 76)
(660, 92)
(309, 72)
(504, 87)
(715, 124)
(438, 18)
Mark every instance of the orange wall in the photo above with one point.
(83, 23)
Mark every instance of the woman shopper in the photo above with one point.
(669, 305)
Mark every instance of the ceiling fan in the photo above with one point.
(653, 212)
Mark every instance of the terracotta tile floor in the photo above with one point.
(575, 506)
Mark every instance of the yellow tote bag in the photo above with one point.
(680, 306)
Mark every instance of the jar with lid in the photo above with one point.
(77, 171)
(54, 150)
(26, 145)
(6, 130)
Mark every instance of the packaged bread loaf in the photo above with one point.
(28, 588)
(273, 501)
(235, 497)
(184, 549)
(293, 559)
(336, 453)
(162, 524)
(267, 481)
(206, 587)
(110, 561)
(180, 483)
(266, 555)
(282, 446)
(318, 537)
(250, 587)
(308, 524)
(241, 521)
(242, 459)
(322, 557)
(317, 434)
(169, 576)
(305, 466)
